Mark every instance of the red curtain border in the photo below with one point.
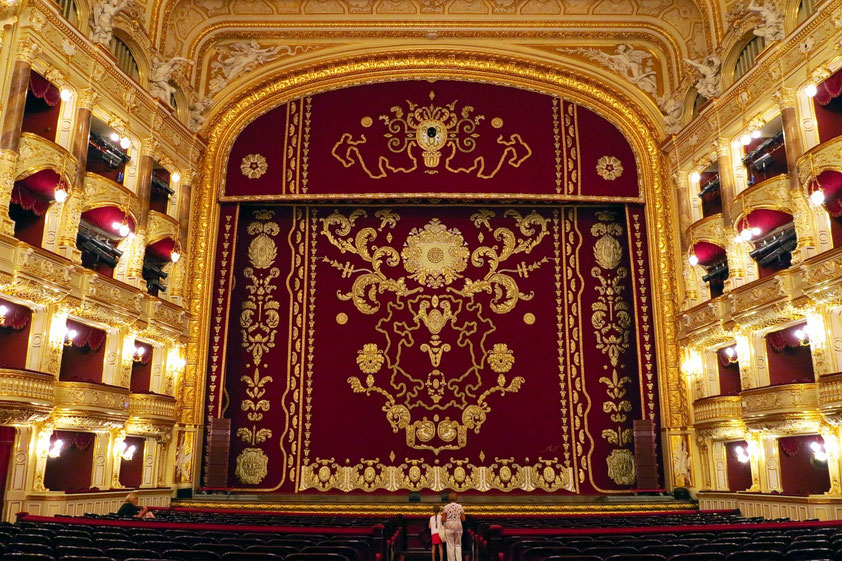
(830, 89)
(87, 336)
(723, 357)
(17, 316)
(42, 88)
(785, 338)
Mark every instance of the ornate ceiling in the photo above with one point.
(644, 41)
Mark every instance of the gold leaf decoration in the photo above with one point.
(254, 166)
(251, 466)
(609, 168)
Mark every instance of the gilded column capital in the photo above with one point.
(723, 147)
(148, 147)
(681, 180)
(87, 99)
(785, 98)
(36, 21)
(28, 50)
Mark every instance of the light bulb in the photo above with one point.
(745, 234)
(139, 351)
(815, 446)
(729, 352)
(755, 134)
(116, 225)
(693, 259)
(695, 177)
(811, 90)
(60, 195)
(124, 230)
(756, 231)
(3, 310)
(125, 142)
(176, 177)
(65, 94)
(745, 140)
(114, 137)
(70, 334)
(799, 334)
(55, 449)
(739, 450)
(817, 197)
(820, 456)
(175, 256)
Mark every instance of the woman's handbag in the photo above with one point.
(441, 533)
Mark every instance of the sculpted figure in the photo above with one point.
(673, 110)
(239, 58)
(103, 13)
(633, 64)
(197, 113)
(681, 464)
(771, 27)
(708, 84)
(160, 75)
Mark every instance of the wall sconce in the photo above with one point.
(125, 142)
(66, 94)
(731, 355)
(124, 451)
(695, 176)
(693, 260)
(179, 363)
(69, 335)
(819, 453)
(175, 176)
(3, 311)
(742, 455)
(802, 336)
(55, 448)
(175, 254)
(137, 356)
(122, 228)
(60, 193)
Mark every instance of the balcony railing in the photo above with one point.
(720, 409)
(758, 196)
(25, 396)
(38, 153)
(784, 409)
(100, 191)
(91, 406)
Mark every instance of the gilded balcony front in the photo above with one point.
(784, 409)
(770, 194)
(36, 153)
(87, 406)
(717, 410)
(822, 157)
(101, 191)
(151, 414)
(106, 300)
(25, 396)
(33, 273)
(708, 229)
(161, 226)
(830, 397)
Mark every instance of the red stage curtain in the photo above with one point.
(41, 88)
(28, 200)
(785, 338)
(605, 383)
(765, 219)
(17, 316)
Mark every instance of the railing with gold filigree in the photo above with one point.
(25, 396)
(708, 229)
(772, 193)
(822, 157)
(101, 191)
(88, 405)
(37, 153)
(152, 406)
(161, 226)
(830, 397)
(717, 409)
(119, 299)
(785, 409)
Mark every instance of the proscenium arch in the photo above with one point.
(604, 98)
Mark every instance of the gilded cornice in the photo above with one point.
(708, 229)
(771, 194)
(604, 98)
(826, 156)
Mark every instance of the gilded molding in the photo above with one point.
(37, 153)
(786, 409)
(826, 156)
(772, 194)
(101, 191)
(716, 410)
(708, 229)
(152, 408)
(160, 226)
(25, 397)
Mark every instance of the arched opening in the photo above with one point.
(826, 190)
(42, 109)
(84, 353)
(803, 463)
(157, 256)
(772, 232)
(101, 231)
(788, 356)
(747, 56)
(738, 465)
(728, 369)
(709, 191)
(31, 198)
(125, 58)
(765, 152)
(713, 259)
(107, 152)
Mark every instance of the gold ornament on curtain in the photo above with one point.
(259, 321)
(446, 326)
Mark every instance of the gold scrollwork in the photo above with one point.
(259, 321)
(432, 128)
(612, 321)
(435, 257)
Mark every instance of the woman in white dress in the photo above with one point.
(453, 515)
(435, 526)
